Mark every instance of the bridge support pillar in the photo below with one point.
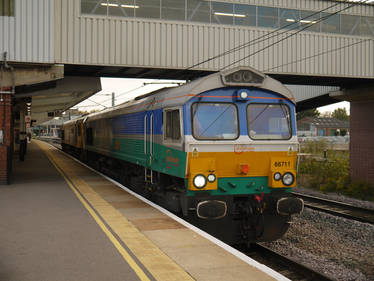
(361, 140)
(6, 138)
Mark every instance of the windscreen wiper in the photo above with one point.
(219, 116)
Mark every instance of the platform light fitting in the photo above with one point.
(302, 21)
(116, 5)
(229, 15)
(109, 4)
(308, 21)
(130, 6)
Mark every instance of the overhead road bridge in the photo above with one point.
(300, 42)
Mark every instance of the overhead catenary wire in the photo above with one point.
(97, 103)
(143, 85)
(320, 54)
(263, 37)
(89, 105)
(121, 94)
(291, 35)
(267, 36)
(276, 33)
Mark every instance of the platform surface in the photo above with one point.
(63, 221)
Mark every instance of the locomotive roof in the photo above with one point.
(73, 121)
(175, 96)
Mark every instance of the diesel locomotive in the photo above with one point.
(219, 151)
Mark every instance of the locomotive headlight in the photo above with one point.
(277, 176)
(211, 178)
(288, 178)
(199, 181)
(243, 95)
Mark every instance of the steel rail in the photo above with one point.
(288, 267)
(337, 208)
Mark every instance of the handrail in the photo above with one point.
(145, 134)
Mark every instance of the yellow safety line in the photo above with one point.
(111, 237)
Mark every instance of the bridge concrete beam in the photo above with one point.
(58, 96)
(27, 74)
(352, 95)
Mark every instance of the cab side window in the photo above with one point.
(172, 129)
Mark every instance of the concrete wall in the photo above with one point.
(301, 92)
(362, 136)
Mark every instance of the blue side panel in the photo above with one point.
(130, 124)
(157, 122)
(187, 118)
(228, 95)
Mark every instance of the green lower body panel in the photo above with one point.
(163, 159)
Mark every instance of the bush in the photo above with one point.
(361, 190)
(315, 147)
(331, 174)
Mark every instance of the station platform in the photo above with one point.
(60, 220)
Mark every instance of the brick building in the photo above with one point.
(6, 138)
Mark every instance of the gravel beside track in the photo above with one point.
(338, 247)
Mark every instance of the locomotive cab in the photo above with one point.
(241, 149)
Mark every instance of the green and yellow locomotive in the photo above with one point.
(220, 151)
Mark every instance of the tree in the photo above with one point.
(341, 114)
(326, 114)
(308, 113)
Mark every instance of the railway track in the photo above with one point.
(337, 208)
(285, 266)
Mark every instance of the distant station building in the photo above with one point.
(322, 126)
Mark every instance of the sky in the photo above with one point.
(126, 89)
(332, 107)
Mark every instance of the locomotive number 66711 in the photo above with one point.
(220, 151)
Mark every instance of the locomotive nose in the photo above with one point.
(290, 206)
